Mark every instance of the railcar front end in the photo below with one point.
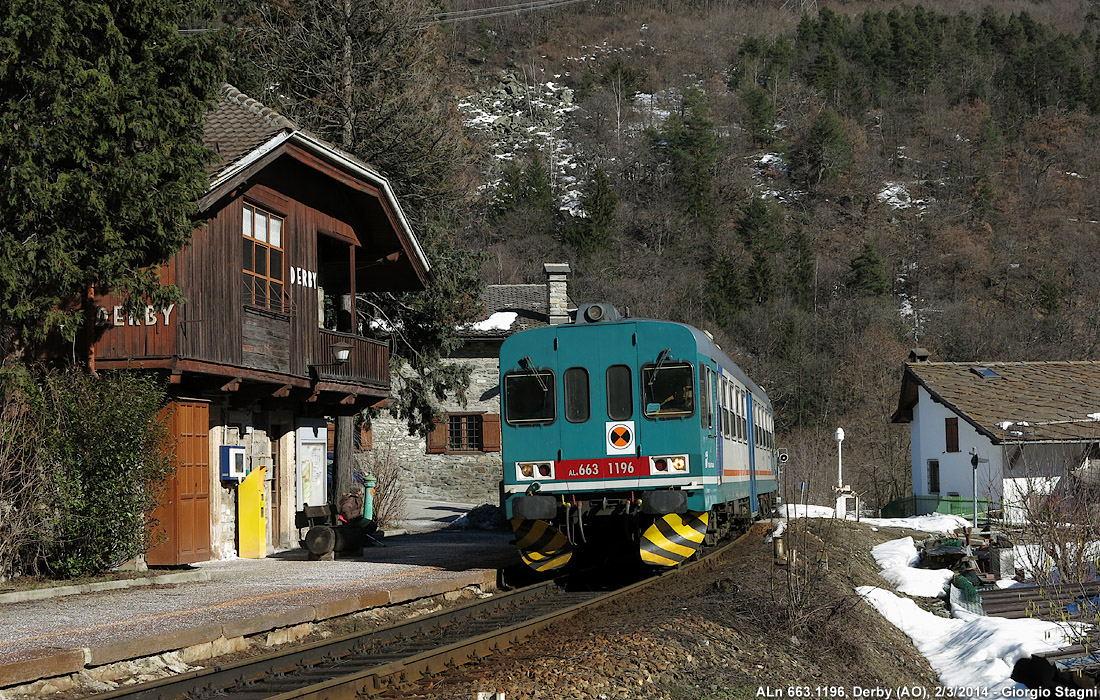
(611, 430)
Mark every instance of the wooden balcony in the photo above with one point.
(369, 363)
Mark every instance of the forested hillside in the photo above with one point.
(821, 186)
(822, 190)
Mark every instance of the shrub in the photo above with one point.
(389, 499)
(95, 455)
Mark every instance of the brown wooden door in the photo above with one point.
(184, 511)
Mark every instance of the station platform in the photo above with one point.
(206, 606)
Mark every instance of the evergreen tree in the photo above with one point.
(725, 292)
(692, 147)
(827, 151)
(867, 274)
(757, 226)
(538, 193)
(593, 232)
(760, 117)
(101, 108)
(761, 276)
(510, 192)
(800, 272)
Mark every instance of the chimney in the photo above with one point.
(557, 292)
(918, 355)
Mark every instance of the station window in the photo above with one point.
(262, 244)
(529, 397)
(620, 396)
(576, 394)
(668, 390)
(933, 476)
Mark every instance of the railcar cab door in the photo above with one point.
(598, 364)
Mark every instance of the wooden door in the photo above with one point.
(184, 511)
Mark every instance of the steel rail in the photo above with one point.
(357, 664)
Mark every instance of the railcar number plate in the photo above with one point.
(603, 468)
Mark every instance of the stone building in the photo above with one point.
(460, 461)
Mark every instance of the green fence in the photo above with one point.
(922, 505)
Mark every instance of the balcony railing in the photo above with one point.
(369, 362)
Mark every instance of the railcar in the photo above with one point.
(638, 427)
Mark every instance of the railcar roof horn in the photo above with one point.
(598, 312)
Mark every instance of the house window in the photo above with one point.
(464, 433)
(262, 243)
(933, 476)
(951, 429)
(461, 433)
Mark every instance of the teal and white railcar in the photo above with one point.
(640, 424)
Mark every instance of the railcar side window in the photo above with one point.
(576, 394)
(529, 397)
(620, 398)
(668, 390)
(704, 407)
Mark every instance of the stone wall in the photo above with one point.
(466, 478)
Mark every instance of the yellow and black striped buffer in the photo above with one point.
(673, 538)
(543, 546)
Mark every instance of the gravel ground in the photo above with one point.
(745, 628)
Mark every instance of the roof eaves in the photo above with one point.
(349, 162)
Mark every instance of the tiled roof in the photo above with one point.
(1012, 401)
(239, 125)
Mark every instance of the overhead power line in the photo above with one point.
(497, 10)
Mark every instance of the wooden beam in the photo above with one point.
(282, 392)
(232, 385)
(314, 396)
(175, 377)
(348, 400)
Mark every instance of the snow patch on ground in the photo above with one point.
(968, 651)
(898, 559)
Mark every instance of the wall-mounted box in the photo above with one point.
(233, 462)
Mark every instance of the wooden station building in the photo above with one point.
(292, 229)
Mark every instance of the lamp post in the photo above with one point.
(839, 458)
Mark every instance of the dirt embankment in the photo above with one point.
(745, 628)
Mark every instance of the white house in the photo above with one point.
(1016, 428)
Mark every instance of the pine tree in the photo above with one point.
(693, 149)
(725, 292)
(757, 226)
(827, 152)
(101, 108)
(800, 272)
(760, 117)
(761, 276)
(537, 190)
(593, 232)
(868, 273)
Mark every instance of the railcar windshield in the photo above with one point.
(668, 390)
(529, 397)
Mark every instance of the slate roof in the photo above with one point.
(1012, 402)
(530, 302)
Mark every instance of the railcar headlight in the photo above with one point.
(665, 464)
(534, 470)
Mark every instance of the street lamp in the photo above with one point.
(839, 457)
(341, 353)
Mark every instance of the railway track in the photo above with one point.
(362, 664)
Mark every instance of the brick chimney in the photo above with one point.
(557, 292)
